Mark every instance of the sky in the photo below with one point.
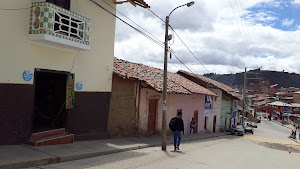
(225, 35)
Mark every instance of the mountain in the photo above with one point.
(283, 79)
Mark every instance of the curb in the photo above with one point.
(294, 140)
(282, 125)
(55, 159)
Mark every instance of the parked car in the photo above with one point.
(249, 130)
(258, 120)
(237, 129)
(253, 125)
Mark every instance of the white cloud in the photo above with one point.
(210, 30)
(297, 2)
(287, 22)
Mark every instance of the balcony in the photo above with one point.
(53, 26)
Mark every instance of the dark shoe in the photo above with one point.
(177, 147)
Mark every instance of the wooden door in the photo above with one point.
(214, 124)
(196, 120)
(152, 115)
(205, 121)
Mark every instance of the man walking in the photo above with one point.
(178, 127)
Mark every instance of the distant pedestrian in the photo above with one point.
(176, 125)
(193, 125)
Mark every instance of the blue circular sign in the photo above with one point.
(79, 85)
(27, 75)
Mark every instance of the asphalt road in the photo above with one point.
(268, 148)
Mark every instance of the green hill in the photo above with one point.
(283, 79)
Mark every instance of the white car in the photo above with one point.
(237, 129)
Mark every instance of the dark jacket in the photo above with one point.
(179, 124)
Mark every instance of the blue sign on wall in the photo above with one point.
(79, 85)
(27, 75)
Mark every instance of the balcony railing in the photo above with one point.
(50, 23)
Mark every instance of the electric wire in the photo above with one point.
(133, 21)
(159, 43)
(156, 15)
(78, 7)
(182, 42)
(74, 60)
(136, 29)
(190, 50)
(247, 50)
(13, 9)
(182, 61)
(243, 26)
(251, 40)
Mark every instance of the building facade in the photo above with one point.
(136, 104)
(226, 110)
(56, 68)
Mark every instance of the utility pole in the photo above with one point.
(164, 112)
(244, 96)
(245, 92)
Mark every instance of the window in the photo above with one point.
(62, 3)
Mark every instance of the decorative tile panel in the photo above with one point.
(49, 19)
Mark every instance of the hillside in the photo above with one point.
(283, 79)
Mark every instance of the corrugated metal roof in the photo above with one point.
(261, 103)
(219, 85)
(154, 78)
(279, 103)
(295, 104)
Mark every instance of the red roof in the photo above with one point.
(219, 85)
(154, 77)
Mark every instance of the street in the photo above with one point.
(269, 147)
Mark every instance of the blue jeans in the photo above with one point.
(177, 134)
(192, 128)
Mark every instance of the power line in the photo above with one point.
(181, 41)
(13, 9)
(78, 7)
(156, 15)
(247, 50)
(243, 25)
(136, 29)
(144, 34)
(132, 21)
(246, 25)
(182, 61)
(190, 50)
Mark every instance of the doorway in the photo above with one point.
(205, 123)
(152, 115)
(196, 120)
(49, 101)
(214, 124)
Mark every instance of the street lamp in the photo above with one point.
(164, 112)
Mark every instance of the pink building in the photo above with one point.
(136, 102)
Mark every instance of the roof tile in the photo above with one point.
(154, 78)
(219, 85)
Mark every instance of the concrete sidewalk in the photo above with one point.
(21, 156)
(284, 125)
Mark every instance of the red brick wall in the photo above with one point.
(296, 98)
